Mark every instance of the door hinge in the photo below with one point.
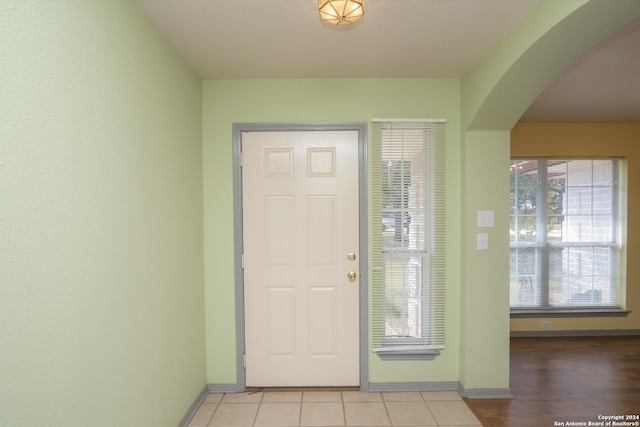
(242, 260)
(241, 159)
(244, 361)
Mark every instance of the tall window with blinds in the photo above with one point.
(564, 234)
(408, 248)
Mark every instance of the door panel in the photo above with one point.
(300, 221)
(322, 225)
(280, 321)
(322, 322)
(278, 217)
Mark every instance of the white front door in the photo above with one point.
(300, 225)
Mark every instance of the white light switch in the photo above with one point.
(485, 218)
(483, 242)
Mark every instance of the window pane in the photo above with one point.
(557, 275)
(573, 263)
(602, 228)
(579, 200)
(555, 199)
(602, 200)
(404, 201)
(572, 209)
(581, 276)
(524, 277)
(579, 173)
(524, 190)
(403, 295)
(577, 228)
(603, 173)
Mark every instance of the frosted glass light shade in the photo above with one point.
(340, 11)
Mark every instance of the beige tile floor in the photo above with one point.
(334, 408)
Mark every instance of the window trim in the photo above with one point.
(618, 207)
(530, 313)
(405, 353)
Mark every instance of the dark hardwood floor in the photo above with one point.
(567, 379)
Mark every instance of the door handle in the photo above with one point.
(352, 275)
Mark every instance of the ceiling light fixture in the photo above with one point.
(340, 11)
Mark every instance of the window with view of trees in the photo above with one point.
(408, 251)
(563, 233)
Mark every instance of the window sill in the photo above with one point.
(399, 353)
(523, 313)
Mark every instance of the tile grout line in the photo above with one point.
(215, 410)
(424, 399)
(344, 410)
(255, 417)
(429, 408)
(384, 402)
(300, 411)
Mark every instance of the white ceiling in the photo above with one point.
(602, 86)
(395, 38)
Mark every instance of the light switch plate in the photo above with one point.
(485, 219)
(483, 242)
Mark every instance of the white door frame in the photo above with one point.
(238, 129)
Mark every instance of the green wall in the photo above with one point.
(485, 274)
(240, 101)
(101, 271)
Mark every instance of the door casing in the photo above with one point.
(238, 129)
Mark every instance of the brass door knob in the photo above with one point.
(351, 257)
(352, 275)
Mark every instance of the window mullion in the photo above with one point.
(541, 231)
(613, 264)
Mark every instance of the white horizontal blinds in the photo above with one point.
(564, 233)
(376, 283)
(437, 223)
(408, 274)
